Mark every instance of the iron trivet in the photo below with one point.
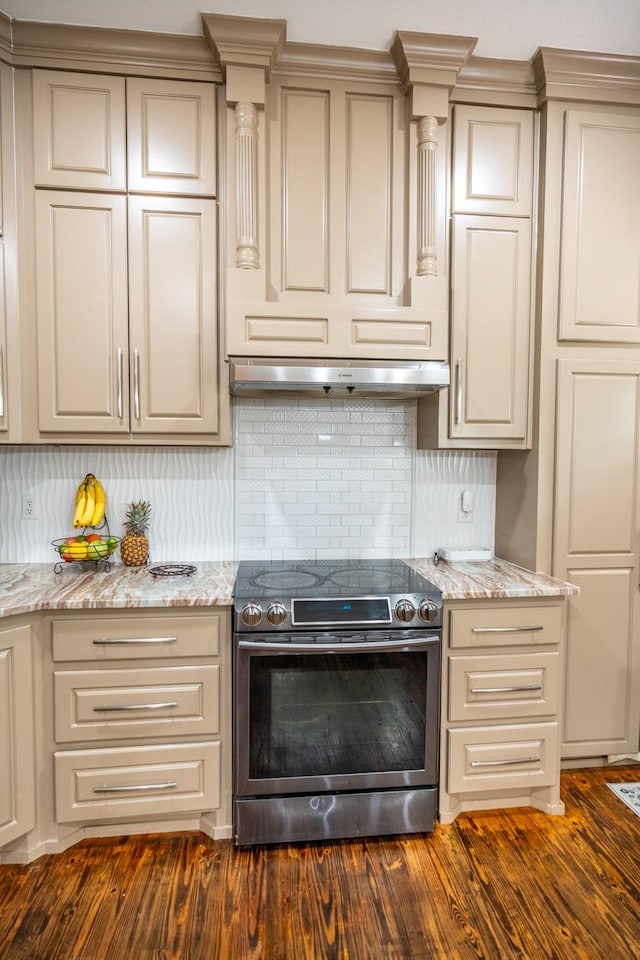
(173, 570)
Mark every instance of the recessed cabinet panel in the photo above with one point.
(17, 777)
(81, 265)
(493, 156)
(600, 658)
(600, 241)
(600, 411)
(503, 757)
(517, 624)
(171, 137)
(305, 190)
(596, 547)
(173, 323)
(369, 194)
(144, 637)
(490, 328)
(4, 385)
(503, 686)
(79, 130)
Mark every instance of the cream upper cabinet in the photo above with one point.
(488, 402)
(79, 130)
(490, 332)
(82, 314)
(112, 359)
(4, 389)
(322, 238)
(599, 295)
(17, 783)
(172, 325)
(596, 548)
(171, 137)
(492, 161)
(126, 282)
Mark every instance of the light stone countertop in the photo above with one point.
(27, 587)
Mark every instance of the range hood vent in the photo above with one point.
(337, 379)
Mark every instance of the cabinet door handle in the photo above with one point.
(1, 380)
(136, 384)
(113, 641)
(504, 763)
(119, 381)
(458, 416)
(136, 787)
(522, 689)
(525, 629)
(116, 708)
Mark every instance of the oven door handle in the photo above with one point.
(419, 643)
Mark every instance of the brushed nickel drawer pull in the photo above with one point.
(136, 706)
(136, 384)
(133, 788)
(458, 370)
(114, 641)
(536, 626)
(503, 763)
(522, 689)
(119, 382)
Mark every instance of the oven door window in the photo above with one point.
(336, 714)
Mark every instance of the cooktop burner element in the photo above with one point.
(307, 594)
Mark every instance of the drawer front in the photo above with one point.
(108, 704)
(504, 686)
(120, 638)
(504, 626)
(504, 757)
(95, 785)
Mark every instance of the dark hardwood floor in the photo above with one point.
(513, 884)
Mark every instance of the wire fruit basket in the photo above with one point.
(85, 548)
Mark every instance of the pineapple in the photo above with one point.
(134, 546)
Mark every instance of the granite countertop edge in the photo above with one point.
(33, 587)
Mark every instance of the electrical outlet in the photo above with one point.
(465, 507)
(29, 507)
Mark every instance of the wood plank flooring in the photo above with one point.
(492, 886)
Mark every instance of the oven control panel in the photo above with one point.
(306, 613)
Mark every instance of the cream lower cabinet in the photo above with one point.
(596, 548)
(500, 738)
(142, 718)
(17, 777)
(127, 319)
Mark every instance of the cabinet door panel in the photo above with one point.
(4, 395)
(17, 780)
(81, 265)
(600, 252)
(79, 130)
(173, 318)
(597, 442)
(491, 293)
(493, 156)
(171, 137)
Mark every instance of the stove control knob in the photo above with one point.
(276, 614)
(251, 614)
(428, 611)
(405, 610)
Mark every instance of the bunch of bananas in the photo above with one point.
(91, 502)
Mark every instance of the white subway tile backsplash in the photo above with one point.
(304, 480)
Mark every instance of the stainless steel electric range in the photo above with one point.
(336, 700)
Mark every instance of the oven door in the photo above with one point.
(326, 713)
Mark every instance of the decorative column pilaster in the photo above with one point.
(247, 255)
(426, 220)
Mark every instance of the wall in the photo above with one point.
(303, 479)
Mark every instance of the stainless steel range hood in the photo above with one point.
(340, 379)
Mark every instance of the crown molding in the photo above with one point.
(430, 58)
(595, 77)
(65, 47)
(336, 63)
(505, 82)
(6, 45)
(244, 41)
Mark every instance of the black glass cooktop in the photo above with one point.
(329, 578)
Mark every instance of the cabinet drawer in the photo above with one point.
(133, 782)
(120, 638)
(504, 626)
(108, 704)
(503, 686)
(504, 757)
